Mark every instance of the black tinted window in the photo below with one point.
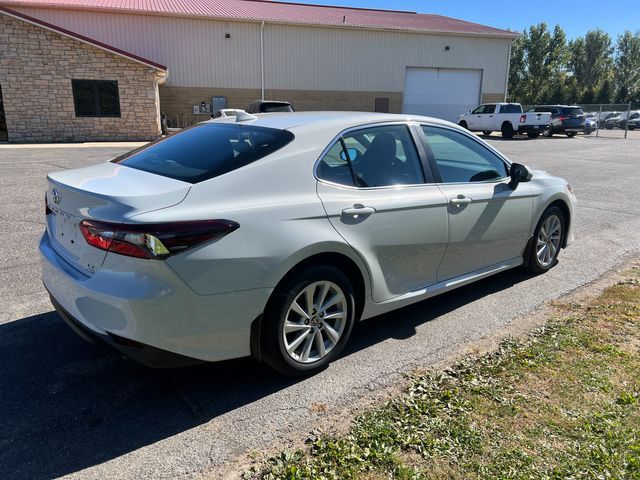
(572, 111)
(462, 159)
(96, 98)
(489, 109)
(510, 108)
(206, 151)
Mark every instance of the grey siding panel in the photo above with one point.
(296, 57)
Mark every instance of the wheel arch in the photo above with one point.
(356, 273)
(566, 211)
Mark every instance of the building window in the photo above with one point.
(96, 98)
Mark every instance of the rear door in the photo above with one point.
(382, 201)
(488, 221)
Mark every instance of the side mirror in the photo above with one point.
(519, 173)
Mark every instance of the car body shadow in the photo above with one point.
(68, 405)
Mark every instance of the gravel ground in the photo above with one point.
(71, 408)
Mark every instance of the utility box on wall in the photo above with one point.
(218, 103)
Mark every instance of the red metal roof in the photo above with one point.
(82, 38)
(279, 12)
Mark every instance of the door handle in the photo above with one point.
(460, 201)
(358, 210)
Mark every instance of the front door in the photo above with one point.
(381, 205)
(475, 118)
(489, 222)
(487, 120)
(3, 121)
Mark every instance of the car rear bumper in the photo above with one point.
(142, 308)
(532, 128)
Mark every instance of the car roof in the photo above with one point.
(326, 119)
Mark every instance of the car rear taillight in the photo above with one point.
(523, 118)
(153, 240)
(562, 118)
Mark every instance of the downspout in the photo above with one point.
(506, 83)
(262, 60)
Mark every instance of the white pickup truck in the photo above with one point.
(506, 117)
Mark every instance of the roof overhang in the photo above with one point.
(162, 69)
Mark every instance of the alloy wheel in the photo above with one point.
(548, 241)
(315, 322)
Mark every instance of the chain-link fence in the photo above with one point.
(612, 120)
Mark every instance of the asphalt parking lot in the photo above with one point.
(71, 408)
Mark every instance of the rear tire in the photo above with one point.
(507, 130)
(298, 337)
(548, 238)
(487, 132)
(571, 134)
(463, 124)
(533, 134)
(631, 128)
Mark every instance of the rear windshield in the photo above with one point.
(510, 108)
(206, 151)
(275, 107)
(572, 111)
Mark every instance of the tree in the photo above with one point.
(627, 71)
(591, 64)
(538, 60)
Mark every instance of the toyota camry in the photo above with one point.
(271, 234)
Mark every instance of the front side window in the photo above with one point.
(206, 151)
(374, 157)
(479, 110)
(96, 98)
(461, 159)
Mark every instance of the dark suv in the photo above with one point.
(567, 119)
(269, 106)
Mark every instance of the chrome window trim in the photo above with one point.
(337, 138)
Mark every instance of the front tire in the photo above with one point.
(533, 134)
(308, 321)
(542, 254)
(571, 134)
(507, 130)
(464, 125)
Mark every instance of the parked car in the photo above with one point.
(620, 120)
(634, 123)
(590, 125)
(603, 116)
(505, 117)
(272, 236)
(224, 113)
(269, 106)
(566, 119)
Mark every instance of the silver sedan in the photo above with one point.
(270, 235)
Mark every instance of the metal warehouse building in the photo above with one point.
(78, 70)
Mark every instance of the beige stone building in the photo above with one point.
(61, 87)
(229, 53)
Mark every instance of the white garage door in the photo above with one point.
(441, 92)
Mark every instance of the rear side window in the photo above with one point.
(489, 109)
(206, 151)
(374, 157)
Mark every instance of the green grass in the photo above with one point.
(563, 403)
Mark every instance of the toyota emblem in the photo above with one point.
(56, 196)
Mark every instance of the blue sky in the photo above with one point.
(576, 17)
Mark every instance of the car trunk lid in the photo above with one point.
(104, 192)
